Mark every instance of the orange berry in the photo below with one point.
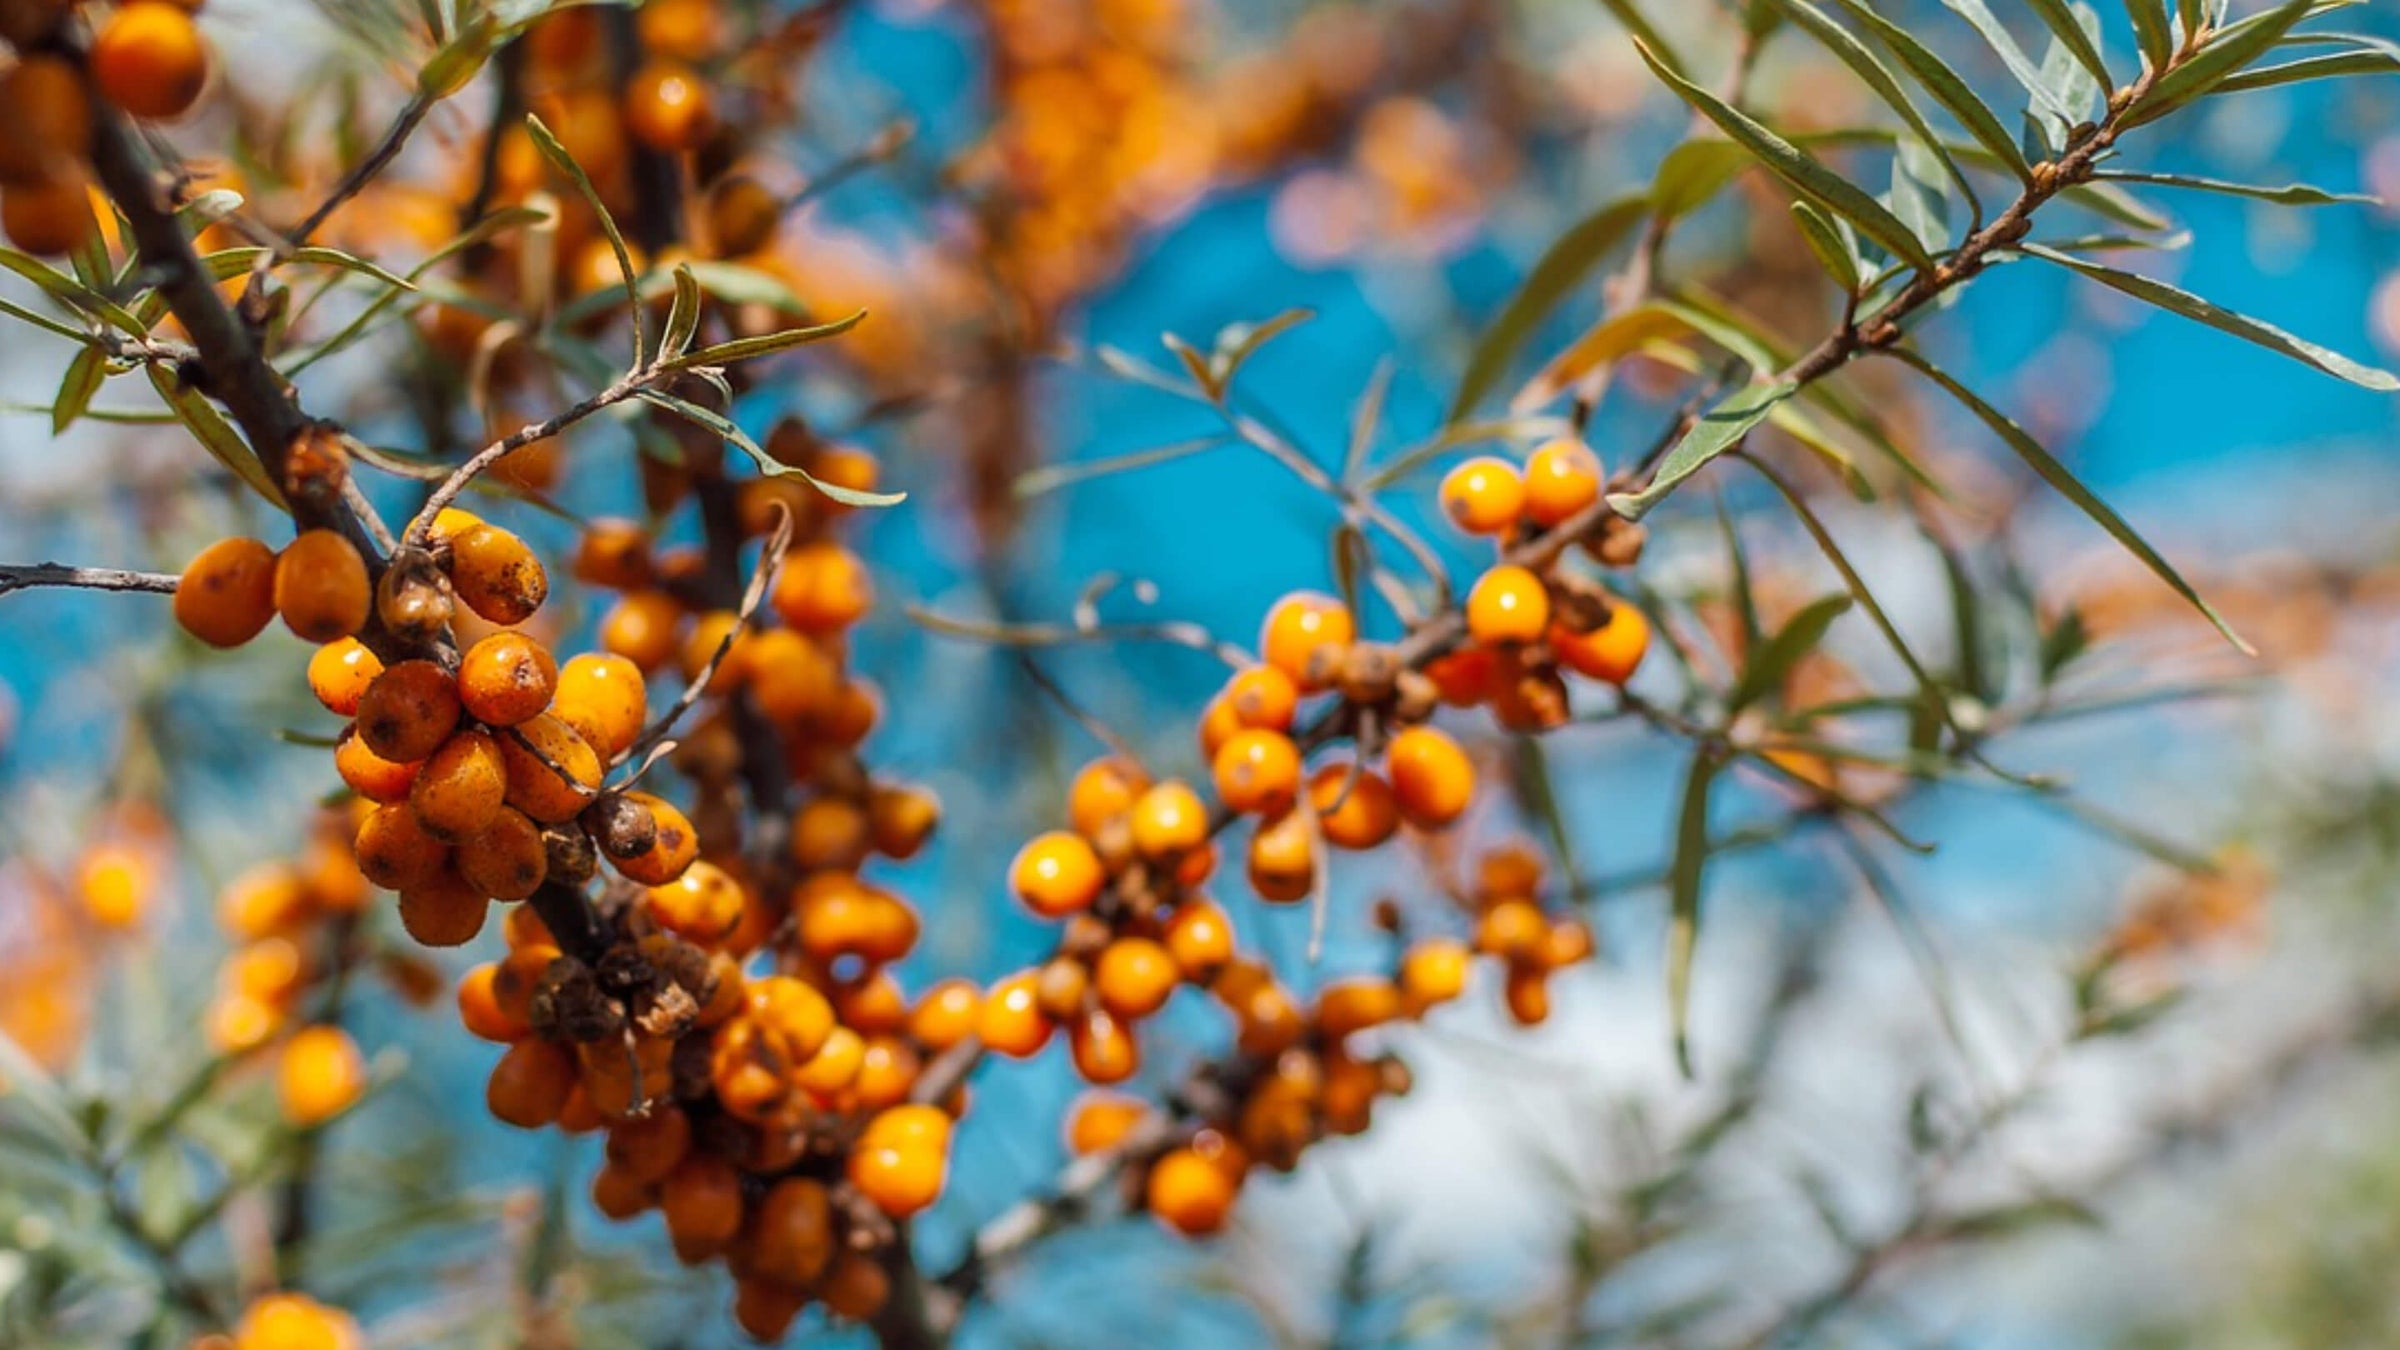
(901, 1159)
(114, 884)
(790, 1012)
(646, 1149)
(484, 1012)
(320, 1075)
(227, 592)
(496, 575)
(612, 552)
(855, 1286)
(1263, 697)
(901, 819)
(507, 859)
(792, 1234)
(1189, 1193)
(1561, 479)
(267, 899)
(830, 834)
(396, 851)
(148, 59)
(704, 904)
(1099, 1121)
(1611, 652)
(45, 120)
(1433, 781)
(1467, 676)
(48, 218)
(1218, 724)
(1056, 874)
(1200, 937)
(1135, 976)
(1103, 790)
(1012, 1023)
(681, 30)
(445, 910)
(552, 772)
(1354, 811)
(710, 631)
(1433, 972)
(742, 215)
(946, 1014)
(676, 845)
(1168, 820)
(823, 588)
(1258, 772)
(667, 107)
(339, 673)
(461, 787)
(702, 1199)
(1103, 1048)
(371, 775)
(506, 678)
(530, 1084)
(1347, 1007)
(295, 1322)
(321, 586)
(1528, 995)
(1513, 930)
(641, 627)
(1302, 628)
(792, 679)
(1570, 941)
(603, 699)
(408, 712)
(1283, 859)
(1508, 604)
(1485, 495)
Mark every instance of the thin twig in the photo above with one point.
(21, 576)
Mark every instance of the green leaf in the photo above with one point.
(215, 434)
(1718, 430)
(1631, 16)
(765, 344)
(1801, 173)
(1834, 252)
(2190, 306)
(2043, 463)
(711, 420)
(507, 218)
(2363, 56)
(2060, 18)
(2291, 194)
(1770, 663)
(1683, 892)
(1051, 477)
(683, 315)
(1237, 341)
(557, 154)
(1917, 195)
(2062, 642)
(1947, 88)
(30, 1092)
(2226, 53)
(1976, 13)
(83, 379)
(1878, 77)
(2152, 31)
(736, 284)
(70, 292)
(1560, 269)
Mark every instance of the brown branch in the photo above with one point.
(22, 576)
(412, 115)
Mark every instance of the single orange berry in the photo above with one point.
(530, 1084)
(507, 859)
(445, 910)
(1485, 495)
(1433, 972)
(1561, 479)
(641, 627)
(603, 699)
(946, 1014)
(552, 772)
(1103, 790)
(339, 673)
(1347, 1007)
(1103, 1048)
(703, 905)
(1263, 697)
(149, 60)
(613, 552)
(1433, 781)
(295, 1322)
(496, 575)
(1513, 930)
(1282, 864)
(1354, 810)
(1200, 937)
(1303, 634)
(1099, 1121)
(1135, 976)
(506, 678)
(1012, 1023)
(667, 107)
(321, 586)
(823, 588)
(482, 1010)
(1258, 772)
(396, 851)
(461, 787)
(50, 217)
(1056, 874)
(1189, 1193)
(409, 711)
(673, 849)
(1508, 604)
(45, 119)
(1169, 820)
(227, 593)
(320, 1076)
(1611, 652)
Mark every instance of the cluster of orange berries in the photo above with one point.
(287, 1321)
(146, 58)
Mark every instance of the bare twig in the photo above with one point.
(22, 576)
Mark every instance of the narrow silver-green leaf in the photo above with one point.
(557, 154)
(2192, 307)
(1236, 342)
(1801, 173)
(1946, 87)
(736, 350)
(2224, 55)
(2365, 61)
(1560, 269)
(1718, 430)
(683, 315)
(1051, 477)
(76, 388)
(1644, 33)
(1878, 77)
(2290, 194)
(1684, 875)
(215, 434)
(1998, 38)
(1771, 661)
(711, 420)
(2152, 31)
(1824, 237)
(2060, 18)
(2051, 471)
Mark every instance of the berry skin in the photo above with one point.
(1189, 1193)
(855, 1287)
(901, 819)
(505, 679)
(320, 1075)
(227, 594)
(1513, 930)
(48, 218)
(1347, 1007)
(1303, 634)
(1561, 479)
(461, 787)
(823, 588)
(1200, 938)
(1263, 697)
(1508, 604)
(641, 627)
(496, 575)
(603, 699)
(552, 772)
(1012, 1023)
(1485, 495)
(1169, 820)
(1433, 972)
(1258, 772)
(530, 1084)
(321, 586)
(45, 120)
(1098, 1121)
(1103, 790)
(482, 1010)
(148, 59)
(443, 911)
(1432, 779)
(1357, 814)
(1103, 1048)
(614, 553)
(704, 904)
(671, 851)
(742, 214)
(1467, 676)
(507, 859)
(1611, 652)
(371, 775)
(1056, 874)
(339, 673)
(901, 1160)
(667, 107)
(646, 1149)
(409, 711)
(1135, 976)
(1282, 860)
(1528, 995)
(946, 1014)
(295, 1322)
(703, 1200)
(396, 851)
(792, 1235)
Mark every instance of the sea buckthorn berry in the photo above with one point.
(267, 899)
(1282, 863)
(396, 851)
(1611, 652)
(667, 107)
(1570, 941)
(710, 631)
(603, 699)
(45, 119)
(1103, 790)
(339, 673)
(641, 627)
(409, 711)
(1012, 1023)
(48, 218)
(320, 1076)
(823, 588)
(874, 1006)
(1135, 976)
(1467, 676)
(1103, 1048)
(508, 858)
(506, 678)
(114, 883)
(1513, 930)
(1099, 1121)
(237, 1023)
(444, 910)
(792, 1234)
(414, 599)
(227, 592)
(1168, 820)
(1257, 772)
(1561, 479)
(791, 1014)
(835, 1065)
(1511, 869)
(765, 1309)
(855, 1286)
(1433, 781)
(1485, 495)
(1355, 810)
(1056, 874)
(1347, 1007)
(552, 772)
(702, 1199)
(482, 1010)
(742, 214)
(1200, 937)
(612, 552)
(647, 1148)
(321, 586)
(946, 1014)
(496, 575)
(673, 846)
(295, 1322)
(530, 1084)
(830, 834)
(618, 1196)
(1061, 986)
(704, 904)
(1263, 697)
(1304, 633)
(901, 819)
(371, 775)
(461, 787)
(1218, 724)
(1189, 1193)
(1528, 995)
(1508, 604)
(792, 679)
(898, 1178)
(1433, 972)
(148, 59)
